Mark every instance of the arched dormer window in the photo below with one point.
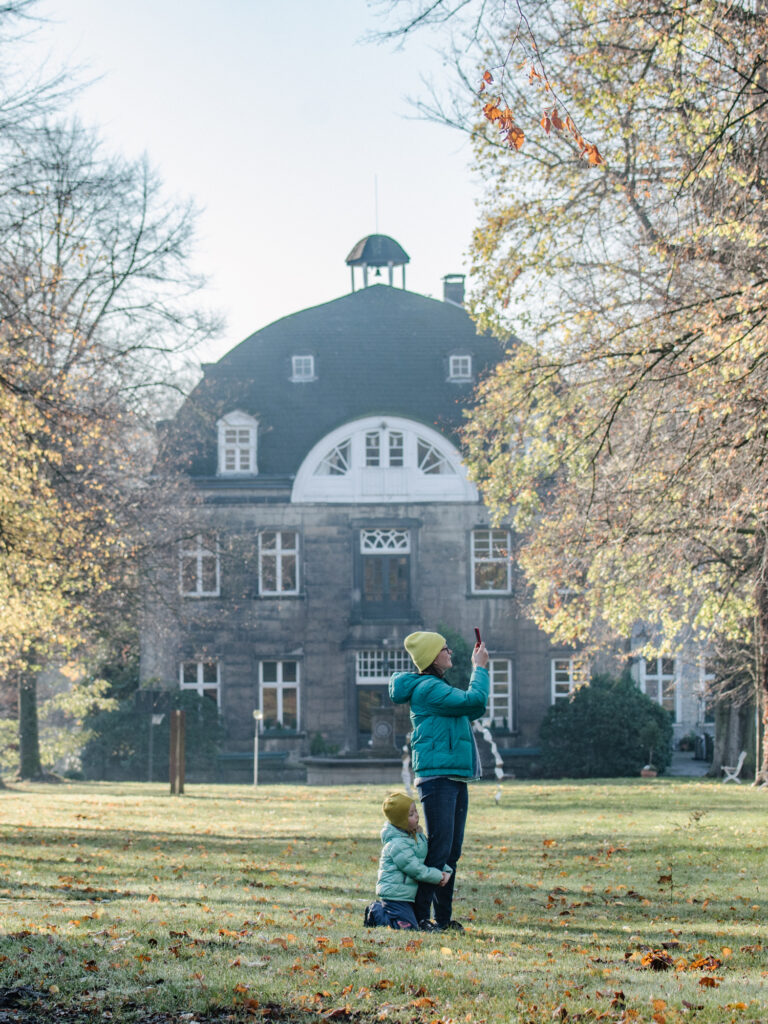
(237, 444)
(383, 459)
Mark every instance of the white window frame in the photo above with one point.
(280, 685)
(567, 674)
(396, 448)
(237, 445)
(704, 700)
(460, 367)
(374, 666)
(430, 460)
(278, 553)
(201, 684)
(374, 449)
(662, 680)
(196, 549)
(478, 560)
(385, 540)
(338, 461)
(427, 467)
(302, 368)
(500, 695)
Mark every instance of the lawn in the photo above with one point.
(632, 900)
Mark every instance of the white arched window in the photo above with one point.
(237, 444)
(383, 459)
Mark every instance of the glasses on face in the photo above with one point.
(448, 649)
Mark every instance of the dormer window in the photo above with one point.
(302, 368)
(460, 368)
(389, 459)
(237, 444)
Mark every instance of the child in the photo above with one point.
(401, 866)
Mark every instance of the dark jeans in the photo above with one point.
(390, 913)
(445, 805)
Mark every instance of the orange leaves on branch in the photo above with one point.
(503, 119)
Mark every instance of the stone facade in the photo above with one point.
(335, 517)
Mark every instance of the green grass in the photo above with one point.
(120, 901)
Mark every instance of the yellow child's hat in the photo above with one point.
(397, 807)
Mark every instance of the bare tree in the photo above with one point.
(98, 305)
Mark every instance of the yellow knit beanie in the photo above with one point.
(424, 648)
(397, 807)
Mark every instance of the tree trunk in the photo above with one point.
(29, 742)
(761, 669)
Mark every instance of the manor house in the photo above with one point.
(335, 516)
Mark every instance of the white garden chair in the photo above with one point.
(731, 771)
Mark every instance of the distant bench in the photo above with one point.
(511, 752)
(522, 758)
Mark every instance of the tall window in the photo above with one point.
(460, 368)
(202, 677)
(302, 368)
(396, 448)
(278, 562)
(491, 564)
(500, 703)
(706, 683)
(372, 671)
(237, 444)
(385, 448)
(385, 584)
(279, 686)
(199, 566)
(373, 448)
(658, 678)
(567, 675)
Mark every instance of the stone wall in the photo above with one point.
(322, 627)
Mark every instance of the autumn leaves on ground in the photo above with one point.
(620, 901)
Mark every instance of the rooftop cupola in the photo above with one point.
(377, 251)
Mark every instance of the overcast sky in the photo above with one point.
(282, 124)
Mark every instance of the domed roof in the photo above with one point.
(377, 251)
(379, 351)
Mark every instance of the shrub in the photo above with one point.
(605, 730)
(118, 747)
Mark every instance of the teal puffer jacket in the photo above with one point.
(441, 720)
(401, 865)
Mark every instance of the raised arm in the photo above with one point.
(436, 697)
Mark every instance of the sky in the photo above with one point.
(293, 135)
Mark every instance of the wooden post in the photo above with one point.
(176, 770)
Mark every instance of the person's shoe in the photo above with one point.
(452, 926)
(429, 926)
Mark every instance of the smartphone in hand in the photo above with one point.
(478, 641)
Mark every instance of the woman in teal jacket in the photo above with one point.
(444, 757)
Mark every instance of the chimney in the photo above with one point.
(453, 289)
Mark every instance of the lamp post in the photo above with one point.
(153, 720)
(257, 717)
